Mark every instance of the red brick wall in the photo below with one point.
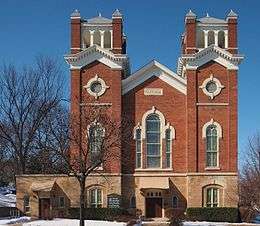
(226, 116)
(232, 35)
(75, 35)
(172, 105)
(190, 36)
(112, 95)
(117, 35)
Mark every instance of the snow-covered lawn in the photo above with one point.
(204, 223)
(7, 199)
(14, 220)
(58, 222)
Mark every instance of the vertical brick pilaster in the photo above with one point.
(117, 35)
(233, 120)
(191, 100)
(190, 39)
(75, 34)
(232, 35)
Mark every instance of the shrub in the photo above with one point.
(216, 214)
(108, 214)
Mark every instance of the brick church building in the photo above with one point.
(184, 143)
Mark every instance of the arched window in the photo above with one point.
(97, 38)
(96, 134)
(86, 39)
(133, 202)
(138, 148)
(174, 202)
(221, 39)
(200, 39)
(212, 197)
(212, 146)
(26, 203)
(168, 141)
(211, 38)
(95, 198)
(153, 141)
(107, 39)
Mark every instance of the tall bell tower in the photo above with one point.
(98, 63)
(209, 62)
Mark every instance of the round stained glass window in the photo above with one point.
(96, 87)
(211, 87)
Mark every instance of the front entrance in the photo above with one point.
(44, 208)
(153, 207)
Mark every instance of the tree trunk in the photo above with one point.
(82, 202)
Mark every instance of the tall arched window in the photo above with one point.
(212, 146)
(168, 141)
(221, 39)
(211, 38)
(138, 148)
(153, 141)
(96, 133)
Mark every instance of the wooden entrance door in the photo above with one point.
(153, 207)
(45, 208)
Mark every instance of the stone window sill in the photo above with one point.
(212, 168)
(153, 169)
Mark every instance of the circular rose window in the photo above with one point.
(96, 87)
(211, 87)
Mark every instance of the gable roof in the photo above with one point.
(215, 53)
(99, 20)
(93, 53)
(154, 68)
(211, 20)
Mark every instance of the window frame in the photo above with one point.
(177, 202)
(211, 151)
(211, 203)
(95, 204)
(138, 143)
(219, 135)
(26, 203)
(159, 132)
(170, 145)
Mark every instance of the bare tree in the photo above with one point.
(90, 141)
(249, 182)
(27, 97)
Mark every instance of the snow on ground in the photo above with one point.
(7, 198)
(14, 220)
(205, 223)
(70, 222)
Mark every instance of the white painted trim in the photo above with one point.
(93, 53)
(104, 87)
(96, 104)
(212, 122)
(154, 68)
(212, 104)
(215, 53)
(218, 84)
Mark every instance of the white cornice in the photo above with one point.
(93, 53)
(154, 68)
(215, 53)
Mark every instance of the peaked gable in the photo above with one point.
(93, 53)
(215, 53)
(154, 68)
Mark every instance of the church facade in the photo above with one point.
(183, 150)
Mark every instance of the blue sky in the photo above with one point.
(153, 28)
